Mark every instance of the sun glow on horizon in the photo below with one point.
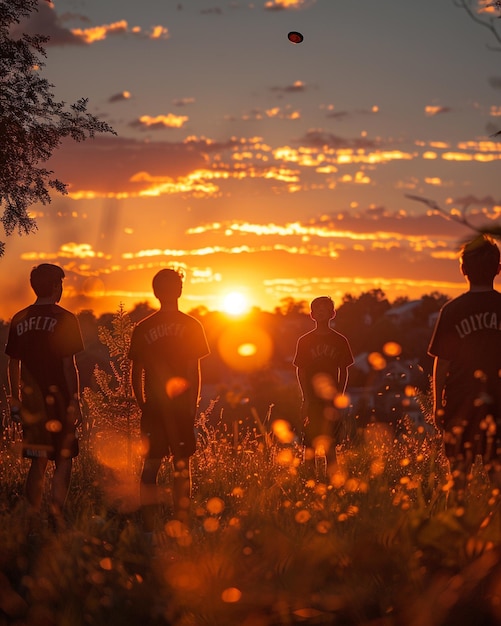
(235, 303)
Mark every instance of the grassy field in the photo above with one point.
(381, 539)
(384, 537)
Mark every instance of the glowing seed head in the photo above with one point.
(232, 594)
(215, 506)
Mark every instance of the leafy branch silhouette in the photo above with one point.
(460, 218)
(487, 21)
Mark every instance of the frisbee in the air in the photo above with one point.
(295, 37)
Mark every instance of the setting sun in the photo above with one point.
(235, 303)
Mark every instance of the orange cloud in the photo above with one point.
(203, 167)
(285, 113)
(181, 102)
(432, 110)
(161, 121)
(281, 5)
(480, 146)
(99, 33)
(462, 156)
(282, 114)
(70, 250)
(486, 6)
(197, 184)
(119, 97)
(297, 86)
(159, 32)
(360, 178)
(306, 233)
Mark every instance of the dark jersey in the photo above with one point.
(322, 353)
(468, 334)
(165, 343)
(40, 336)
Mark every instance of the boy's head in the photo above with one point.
(480, 260)
(46, 280)
(168, 285)
(322, 308)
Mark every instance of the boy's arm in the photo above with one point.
(73, 383)
(14, 376)
(440, 372)
(137, 382)
(343, 379)
(302, 379)
(14, 379)
(194, 382)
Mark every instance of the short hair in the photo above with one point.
(480, 259)
(168, 284)
(44, 278)
(322, 300)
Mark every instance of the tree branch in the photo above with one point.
(493, 231)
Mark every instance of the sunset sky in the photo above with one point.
(261, 166)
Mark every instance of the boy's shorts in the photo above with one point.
(47, 433)
(167, 429)
(50, 439)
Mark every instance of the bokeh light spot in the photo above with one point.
(410, 391)
(211, 524)
(106, 564)
(215, 506)
(176, 529)
(377, 467)
(286, 458)
(376, 361)
(320, 489)
(176, 386)
(392, 348)
(247, 349)
(322, 444)
(283, 431)
(111, 449)
(342, 401)
(232, 594)
(302, 516)
(338, 479)
(54, 426)
(235, 343)
(323, 527)
(324, 386)
(184, 576)
(307, 613)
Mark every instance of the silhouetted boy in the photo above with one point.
(466, 344)
(44, 387)
(165, 350)
(322, 359)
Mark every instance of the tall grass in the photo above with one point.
(381, 538)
